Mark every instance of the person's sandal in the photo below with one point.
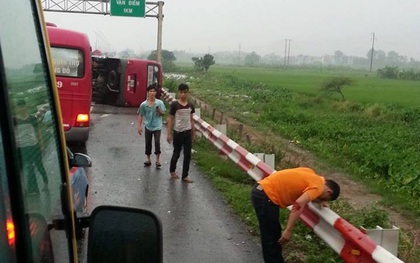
(174, 175)
(146, 164)
(187, 180)
(158, 165)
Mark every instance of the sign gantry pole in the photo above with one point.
(159, 34)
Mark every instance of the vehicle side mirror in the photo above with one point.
(81, 160)
(126, 235)
(78, 159)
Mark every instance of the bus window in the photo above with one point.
(35, 170)
(68, 62)
(154, 77)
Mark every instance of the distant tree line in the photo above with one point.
(337, 59)
(393, 72)
(380, 59)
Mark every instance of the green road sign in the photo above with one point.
(136, 8)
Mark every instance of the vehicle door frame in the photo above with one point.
(13, 165)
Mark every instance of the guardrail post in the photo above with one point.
(198, 113)
(267, 159)
(387, 238)
(223, 129)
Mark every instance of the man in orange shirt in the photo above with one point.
(297, 187)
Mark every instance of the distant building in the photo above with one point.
(97, 52)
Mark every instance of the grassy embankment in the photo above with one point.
(374, 136)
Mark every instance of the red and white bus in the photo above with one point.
(123, 81)
(72, 66)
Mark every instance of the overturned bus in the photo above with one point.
(123, 82)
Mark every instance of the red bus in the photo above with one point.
(123, 82)
(72, 66)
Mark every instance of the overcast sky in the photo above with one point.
(315, 27)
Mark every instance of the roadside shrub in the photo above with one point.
(389, 72)
(170, 84)
(347, 106)
(374, 111)
(394, 72)
(411, 115)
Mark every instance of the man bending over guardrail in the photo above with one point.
(297, 187)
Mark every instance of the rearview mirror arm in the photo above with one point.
(58, 223)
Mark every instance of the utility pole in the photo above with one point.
(159, 34)
(371, 53)
(286, 51)
(239, 56)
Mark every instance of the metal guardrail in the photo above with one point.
(349, 242)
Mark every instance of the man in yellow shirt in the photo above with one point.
(297, 187)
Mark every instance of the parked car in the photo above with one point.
(79, 182)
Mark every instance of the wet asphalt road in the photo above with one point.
(197, 224)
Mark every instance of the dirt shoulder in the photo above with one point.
(352, 191)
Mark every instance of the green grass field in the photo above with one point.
(375, 132)
(367, 88)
